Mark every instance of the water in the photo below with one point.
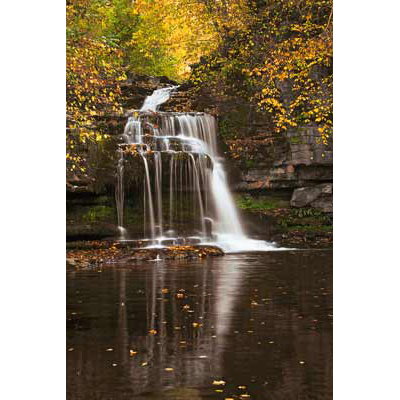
(183, 145)
(259, 322)
(158, 97)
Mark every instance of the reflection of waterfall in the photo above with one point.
(227, 288)
(185, 333)
(198, 192)
(179, 345)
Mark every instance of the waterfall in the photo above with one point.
(182, 147)
(149, 199)
(158, 97)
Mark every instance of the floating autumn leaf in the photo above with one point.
(152, 332)
(218, 382)
(132, 353)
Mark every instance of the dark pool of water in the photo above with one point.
(261, 323)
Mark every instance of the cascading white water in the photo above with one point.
(158, 97)
(187, 142)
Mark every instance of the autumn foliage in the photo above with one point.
(277, 54)
(280, 60)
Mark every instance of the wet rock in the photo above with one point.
(86, 254)
(175, 253)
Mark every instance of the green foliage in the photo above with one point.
(98, 213)
(306, 219)
(311, 228)
(248, 203)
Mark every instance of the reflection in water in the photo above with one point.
(261, 322)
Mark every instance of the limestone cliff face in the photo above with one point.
(261, 160)
(258, 159)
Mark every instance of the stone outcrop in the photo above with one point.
(319, 197)
(90, 253)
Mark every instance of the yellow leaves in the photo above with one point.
(219, 383)
(152, 332)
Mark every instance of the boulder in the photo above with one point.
(304, 196)
(319, 197)
(323, 203)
